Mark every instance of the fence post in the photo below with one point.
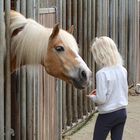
(23, 7)
(7, 72)
(2, 54)
(80, 41)
(30, 8)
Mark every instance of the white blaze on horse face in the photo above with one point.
(83, 66)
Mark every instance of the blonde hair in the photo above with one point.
(105, 52)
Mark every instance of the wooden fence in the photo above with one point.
(117, 19)
(34, 99)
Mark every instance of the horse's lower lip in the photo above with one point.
(78, 83)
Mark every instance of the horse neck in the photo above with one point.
(30, 46)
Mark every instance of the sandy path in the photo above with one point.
(132, 127)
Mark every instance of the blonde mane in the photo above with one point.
(30, 45)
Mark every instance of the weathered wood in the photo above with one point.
(105, 7)
(74, 90)
(84, 49)
(89, 38)
(7, 73)
(138, 42)
(69, 16)
(15, 106)
(23, 102)
(99, 18)
(122, 30)
(59, 111)
(23, 7)
(74, 106)
(29, 95)
(30, 9)
(17, 2)
(80, 41)
(64, 107)
(2, 53)
(75, 17)
(69, 104)
(64, 14)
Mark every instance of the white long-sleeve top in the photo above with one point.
(111, 89)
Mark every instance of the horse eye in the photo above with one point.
(59, 48)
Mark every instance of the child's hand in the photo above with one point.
(93, 92)
(90, 96)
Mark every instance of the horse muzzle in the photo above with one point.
(83, 79)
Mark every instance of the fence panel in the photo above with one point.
(116, 19)
(76, 107)
(2, 53)
(34, 109)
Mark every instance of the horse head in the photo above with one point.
(63, 61)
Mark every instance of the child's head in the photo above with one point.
(105, 52)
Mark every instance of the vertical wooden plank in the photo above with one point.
(23, 102)
(41, 102)
(74, 90)
(122, 30)
(85, 52)
(80, 41)
(89, 39)
(138, 42)
(30, 9)
(15, 106)
(64, 107)
(116, 22)
(34, 104)
(7, 73)
(104, 17)
(59, 109)
(130, 40)
(2, 52)
(75, 17)
(93, 35)
(17, 5)
(93, 18)
(136, 38)
(64, 14)
(126, 33)
(69, 8)
(112, 19)
(99, 17)
(36, 9)
(36, 94)
(23, 7)
(29, 103)
(69, 104)
(69, 87)
(74, 102)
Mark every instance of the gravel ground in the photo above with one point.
(132, 127)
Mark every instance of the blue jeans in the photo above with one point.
(110, 122)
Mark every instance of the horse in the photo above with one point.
(54, 48)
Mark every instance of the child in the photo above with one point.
(111, 94)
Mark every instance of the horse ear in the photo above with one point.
(55, 31)
(71, 29)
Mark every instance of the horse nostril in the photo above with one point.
(83, 74)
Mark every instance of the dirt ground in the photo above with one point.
(132, 127)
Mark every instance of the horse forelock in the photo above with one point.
(69, 40)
